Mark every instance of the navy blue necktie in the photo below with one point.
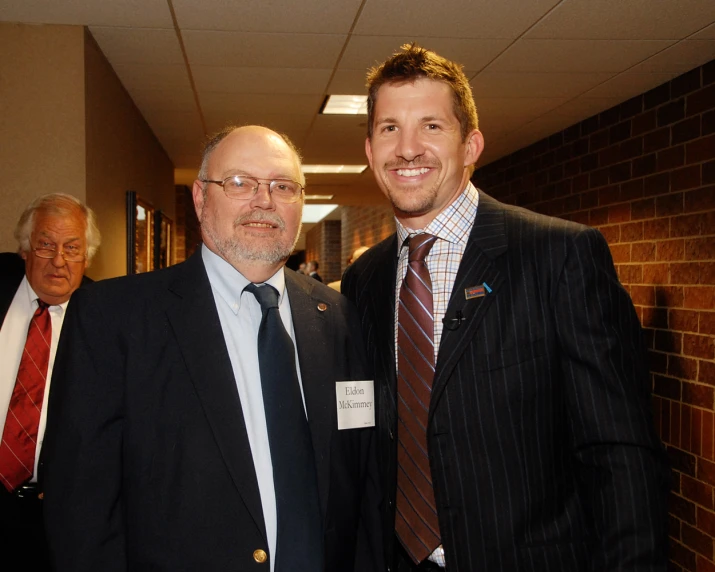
(299, 546)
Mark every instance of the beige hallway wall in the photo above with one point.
(42, 140)
(122, 155)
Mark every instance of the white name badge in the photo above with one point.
(355, 403)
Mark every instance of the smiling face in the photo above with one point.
(54, 279)
(254, 235)
(416, 150)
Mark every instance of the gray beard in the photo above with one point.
(232, 250)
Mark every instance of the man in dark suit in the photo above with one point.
(514, 427)
(164, 455)
(57, 237)
(313, 270)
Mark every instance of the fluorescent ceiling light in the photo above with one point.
(345, 105)
(318, 197)
(334, 168)
(316, 213)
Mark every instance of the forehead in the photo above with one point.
(66, 226)
(420, 93)
(260, 152)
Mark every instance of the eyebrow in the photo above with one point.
(241, 172)
(425, 119)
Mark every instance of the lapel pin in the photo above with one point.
(477, 291)
(322, 307)
(474, 292)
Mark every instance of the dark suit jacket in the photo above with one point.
(541, 444)
(12, 269)
(148, 465)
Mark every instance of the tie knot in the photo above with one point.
(420, 245)
(41, 306)
(266, 295)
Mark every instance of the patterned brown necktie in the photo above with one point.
(416, 519)
(19, 438)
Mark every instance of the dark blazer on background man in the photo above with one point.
(12, 270)
(541, 442)
(148, 464)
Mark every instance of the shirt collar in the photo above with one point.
(454, 224)
(229, 282)
(30, 297)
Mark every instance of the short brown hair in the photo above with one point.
(415, 62)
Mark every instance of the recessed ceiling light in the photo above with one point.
(345, 105)
(318, 197)
(334, 168)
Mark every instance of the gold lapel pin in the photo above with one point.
(322, 307)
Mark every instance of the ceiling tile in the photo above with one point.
(317, 51)
(680, 58)
(363, 52)
(309, 16)
(154, 100)
(348, 82)
(257, 103)
(707, 33)
(624, 19)
(138, 45)
(629, 84)
(530, 84)
(260, 80)
(582, 56)
(153, 76)
(451, 19)
(134, 13)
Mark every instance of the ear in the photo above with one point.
(23, 255)
(474, 147)
(368, 151)
(197, 191)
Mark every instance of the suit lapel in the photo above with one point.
(314, 334)
(195, 322)
(382, 305)
(478, 268)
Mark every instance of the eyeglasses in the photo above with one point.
(70, 253)
(243, 188)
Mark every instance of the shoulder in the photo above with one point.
(528, 229)
(138, 290)
(11, 263)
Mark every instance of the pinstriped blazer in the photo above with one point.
(540, 434)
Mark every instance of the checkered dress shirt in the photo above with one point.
(452, 228)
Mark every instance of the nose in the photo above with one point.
(59, 259)
(409, 144)
(262, 198)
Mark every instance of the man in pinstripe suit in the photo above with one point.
(540, 452)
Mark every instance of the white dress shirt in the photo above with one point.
(240, 316)
(13, 335)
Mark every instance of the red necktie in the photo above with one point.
(416, 520)
(19, 438)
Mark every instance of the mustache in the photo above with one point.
(260, 216)
(416, 163)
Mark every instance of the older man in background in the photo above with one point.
(57, 237)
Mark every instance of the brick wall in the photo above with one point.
(322, 243)
(364, 226)
(643, 173)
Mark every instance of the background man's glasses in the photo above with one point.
(242, 188)
(68, 255)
